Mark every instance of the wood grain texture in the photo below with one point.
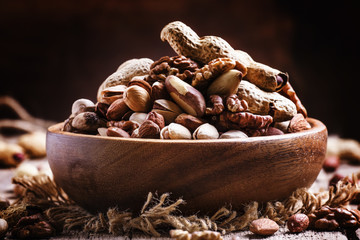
(99, 172)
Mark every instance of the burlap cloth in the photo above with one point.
(86, 228)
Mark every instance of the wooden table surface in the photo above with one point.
(6, 188)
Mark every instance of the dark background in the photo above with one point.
(54, 52)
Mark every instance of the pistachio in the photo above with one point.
(137, 98)
(283, 126)
(233, 134)
(206, 131)
(226, 84)
(110, 94)
(82, 105)
(138, 117)
(117, 110)
(88, 122)
(175, 131)
(102, 131)
(186, 96)
(167, 108)
(140, 82)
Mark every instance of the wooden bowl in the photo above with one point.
(99, 172)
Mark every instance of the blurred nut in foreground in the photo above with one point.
(263, 226)
(331, 163)
(3, 227)
(298, 223)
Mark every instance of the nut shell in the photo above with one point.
(137, 98)
(206, 131)
(226, 84)
(175, 131)
(167, 108)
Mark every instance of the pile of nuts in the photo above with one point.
(207, 91)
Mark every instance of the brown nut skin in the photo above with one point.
(149, 129)
(331, 163)
(298, 223)
(263, 226)
(4, 203)
(117, 132)
(117, 110)
(156, 118)
(159, 91)
(189, 121)
(186, 96)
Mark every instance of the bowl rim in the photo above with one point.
(316, 127)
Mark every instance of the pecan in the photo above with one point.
(217, 105)
(234, 104)
(180, 66)
(212, 70)
(328, 219)
(298, 123)
(249, 120)
(34, 226)
(289, 92)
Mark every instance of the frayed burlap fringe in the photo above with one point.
(159, 214)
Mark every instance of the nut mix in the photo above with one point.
(207, 91)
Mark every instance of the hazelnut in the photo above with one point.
(149, 129)
(3, 227)
(298, 223)
(331, 163)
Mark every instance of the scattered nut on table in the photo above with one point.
(263, 226)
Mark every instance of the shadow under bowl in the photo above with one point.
(100, 172)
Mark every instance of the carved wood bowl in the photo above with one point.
(99, 172)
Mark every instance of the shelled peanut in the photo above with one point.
(190, 97)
